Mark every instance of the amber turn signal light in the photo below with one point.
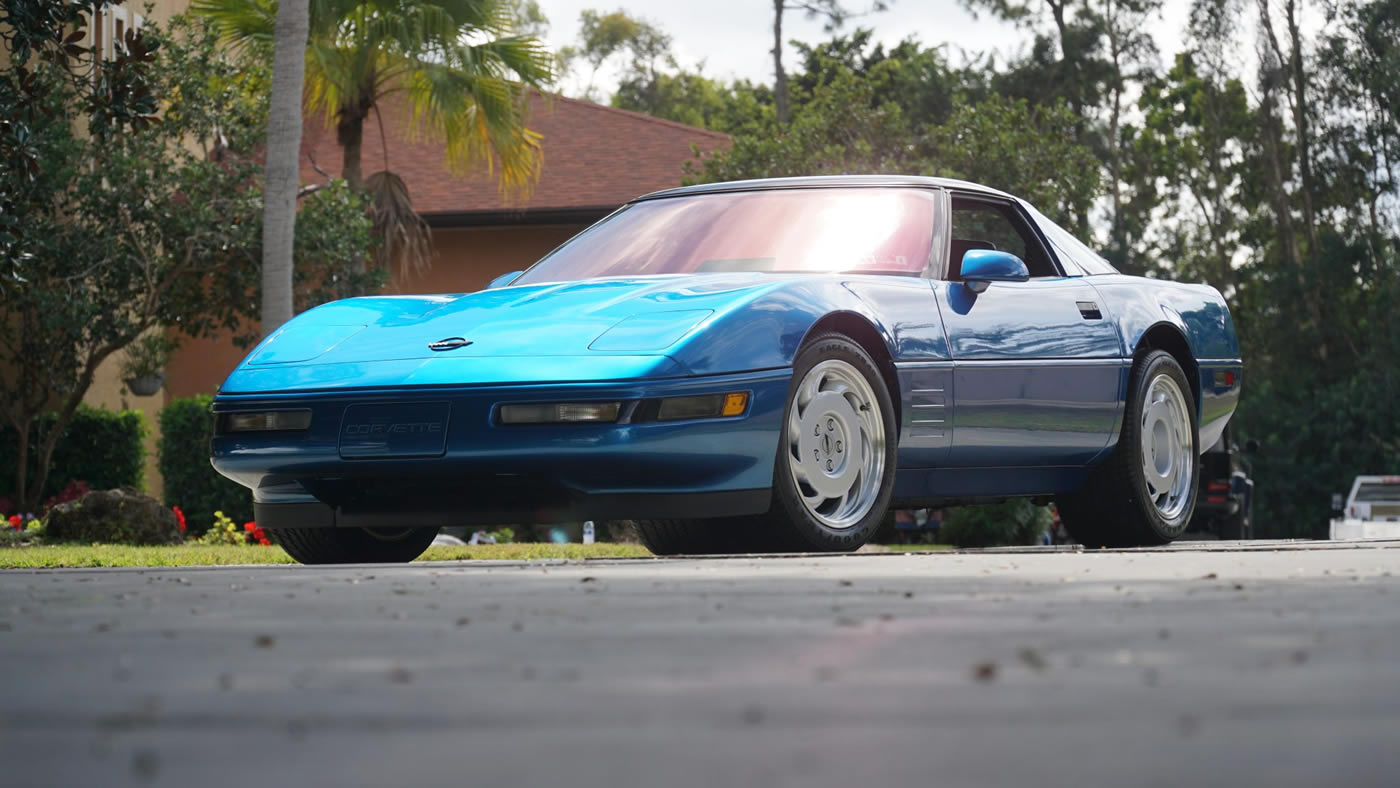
(735, 403)
(705, 406)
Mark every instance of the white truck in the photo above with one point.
(1372, 511)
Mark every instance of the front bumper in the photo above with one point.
(493, 473)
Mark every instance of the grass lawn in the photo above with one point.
(75, 555)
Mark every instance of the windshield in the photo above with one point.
(1378, 491)
(817, 230)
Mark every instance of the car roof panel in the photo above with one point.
(827, 182)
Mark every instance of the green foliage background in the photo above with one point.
(1013, 522)
(137, 181)
(101, 447)
(191, 483)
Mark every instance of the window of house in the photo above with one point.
(109, 29)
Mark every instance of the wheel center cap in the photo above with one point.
(826, 446)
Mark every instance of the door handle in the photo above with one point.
(1089, 310)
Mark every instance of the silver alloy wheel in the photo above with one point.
(836, 444)
(1168, 456)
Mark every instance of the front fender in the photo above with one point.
(766, 329)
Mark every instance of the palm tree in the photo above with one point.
(464, 78)
(280, 179)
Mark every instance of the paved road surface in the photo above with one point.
(1195, 667)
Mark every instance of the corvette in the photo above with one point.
(756, 365)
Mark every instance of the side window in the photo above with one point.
(990, 225)
(1066, 245)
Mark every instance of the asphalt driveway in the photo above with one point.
(1279, 665)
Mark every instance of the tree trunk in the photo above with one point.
(22, 466)
(350, 133)
(280, 174)
(1273, 148)
(1300, 124)
(1069, 59)
(780, 92)
(33, 497)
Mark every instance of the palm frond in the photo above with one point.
(404, 236)
(481, 119)
(240, 22)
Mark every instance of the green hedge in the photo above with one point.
(191, 483)
(101, 447)
(1013, 522)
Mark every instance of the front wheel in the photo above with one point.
(834, 472)
(354, 545)
(1145, 493)
(836, 457)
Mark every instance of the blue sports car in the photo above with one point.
(761, 365)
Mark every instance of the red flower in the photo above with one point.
(179, 517)
(17, 522)
(258, 535)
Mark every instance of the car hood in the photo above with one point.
(594, 329)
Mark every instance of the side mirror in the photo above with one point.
(1251, 446)
(981, 267)
(503, 280)
(1338, 502)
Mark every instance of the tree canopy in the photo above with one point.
(138, 210)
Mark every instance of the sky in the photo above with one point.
(733, 37)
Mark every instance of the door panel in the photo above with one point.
(1037, 373)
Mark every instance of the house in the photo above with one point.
(595, 159)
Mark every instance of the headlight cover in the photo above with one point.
(559, 413)
(266, 421)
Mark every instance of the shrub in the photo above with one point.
(101, 448)
(186, 429)
(223, 531)
(1013, 522)
(72, 492)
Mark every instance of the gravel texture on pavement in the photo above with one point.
(1203, 665)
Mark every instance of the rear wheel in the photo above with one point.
(354, 545)
(699, 537)
(1145, 493)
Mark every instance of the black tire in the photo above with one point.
(789, 526)
(1114, 508)
(354, 545)
(704, 537)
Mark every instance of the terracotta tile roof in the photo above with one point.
(594, 157)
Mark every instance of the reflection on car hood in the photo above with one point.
(537, 320)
